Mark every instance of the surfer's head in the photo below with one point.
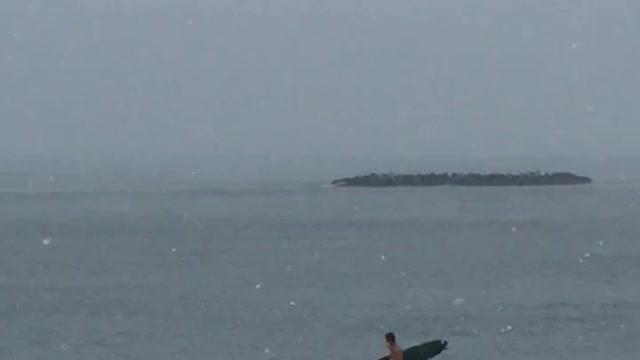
(390, 338)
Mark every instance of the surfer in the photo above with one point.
(395, 352)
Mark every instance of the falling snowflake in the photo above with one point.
(173, 249)
(46, 241)
(514, 229)
(258, 286)
(382, 257)
(458, 301)
(506, 329)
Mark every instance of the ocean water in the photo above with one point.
(309, 272)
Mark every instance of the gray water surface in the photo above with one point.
(307, 272)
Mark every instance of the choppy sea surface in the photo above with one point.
(312, 272)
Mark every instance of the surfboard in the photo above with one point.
(424, 351)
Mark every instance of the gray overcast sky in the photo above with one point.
(249, 87)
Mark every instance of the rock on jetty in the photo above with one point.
(464, 179)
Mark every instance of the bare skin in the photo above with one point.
(395, 352)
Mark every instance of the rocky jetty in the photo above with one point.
(464, 179)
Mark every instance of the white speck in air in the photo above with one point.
(46, 241)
